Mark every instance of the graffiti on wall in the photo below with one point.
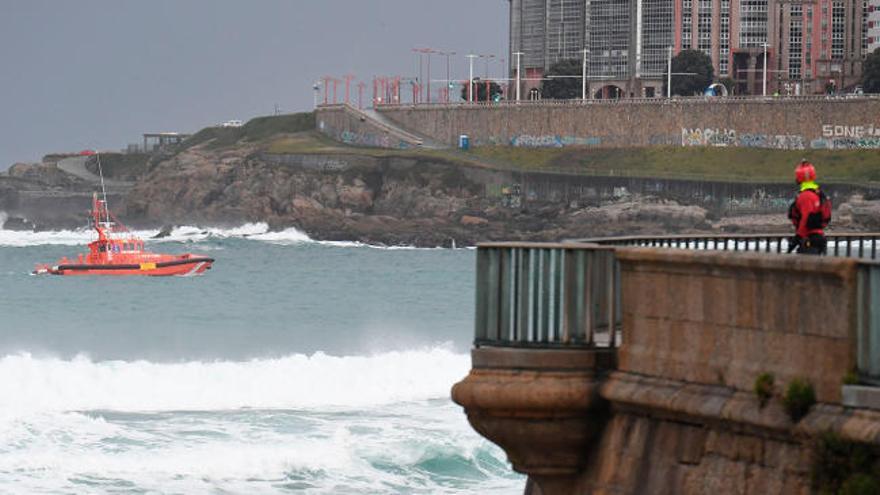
(708, 137)
(663, 140)
(529, 141)
(850, 131)
(730, 137)
(371, 140)
(846, 137)
(773, 141)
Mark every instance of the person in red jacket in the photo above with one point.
(810, 212)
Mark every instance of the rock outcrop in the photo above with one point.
(392, 199)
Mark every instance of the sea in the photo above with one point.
(292, 366)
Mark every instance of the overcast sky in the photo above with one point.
(99, 73)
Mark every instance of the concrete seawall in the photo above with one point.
(673, 410)
(772, 123)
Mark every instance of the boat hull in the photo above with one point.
(179, 267)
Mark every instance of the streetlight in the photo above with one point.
(518, 55)
(447, 55)
(669, 74)
(317, 90)
(764, 76)
(584, 75)
(471, 57)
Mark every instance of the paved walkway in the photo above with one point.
(76, 166)
(386, 122)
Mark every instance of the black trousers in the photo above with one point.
(814, 244)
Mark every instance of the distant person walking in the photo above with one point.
(810, 212)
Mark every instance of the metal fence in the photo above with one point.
(849, 245)
(868, 322)
(714, 100)
(547, 295)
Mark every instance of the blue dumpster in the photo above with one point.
(464, 142)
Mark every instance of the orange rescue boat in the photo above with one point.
(119, 252)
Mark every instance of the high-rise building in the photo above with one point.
(810, 46)
(872, 27)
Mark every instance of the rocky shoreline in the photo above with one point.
(391, 200)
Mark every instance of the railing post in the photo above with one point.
(493, 291)
(481, 313)
(612, 296)
(523, 307)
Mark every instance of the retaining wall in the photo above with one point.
(814, 123)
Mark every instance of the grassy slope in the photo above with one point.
(295, 133)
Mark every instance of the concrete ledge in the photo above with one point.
(843, 268)
(511, 358)
(861, 396)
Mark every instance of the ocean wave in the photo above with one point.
(258, 231)
(32, 384)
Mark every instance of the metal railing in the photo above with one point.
(848, 245)
(868, 322)
(547, 295)
(629, 101)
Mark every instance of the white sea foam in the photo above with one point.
(258, 231)
(32, 384)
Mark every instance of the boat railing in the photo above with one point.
(547, 295)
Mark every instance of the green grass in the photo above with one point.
(727, 164)
(255, 130)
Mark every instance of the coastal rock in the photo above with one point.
(470, 220)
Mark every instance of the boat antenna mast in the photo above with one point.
(103, 189)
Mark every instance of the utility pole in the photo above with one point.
(584, 75)
(518, 55)
(471, 57)
(669, 73)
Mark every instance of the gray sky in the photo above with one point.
(98, 73)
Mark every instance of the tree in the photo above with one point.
(563, 80)
(480, 90)
(696, 72)
(871, 72)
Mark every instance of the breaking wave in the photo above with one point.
(32, 384)
(183, 234)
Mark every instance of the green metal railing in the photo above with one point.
(868, 322)
(547, 295)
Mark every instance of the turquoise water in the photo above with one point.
(292, 366)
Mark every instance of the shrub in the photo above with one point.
(851, 378)
(843, 467)
(764, 387)
(798, 399)
(860, 484)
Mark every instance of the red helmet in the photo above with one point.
(805, 172)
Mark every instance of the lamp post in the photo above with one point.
(584, 75)
(764, 75)
(447, 55)
(316, 88)
(471, 58)
(669, 73)
(518, 55)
